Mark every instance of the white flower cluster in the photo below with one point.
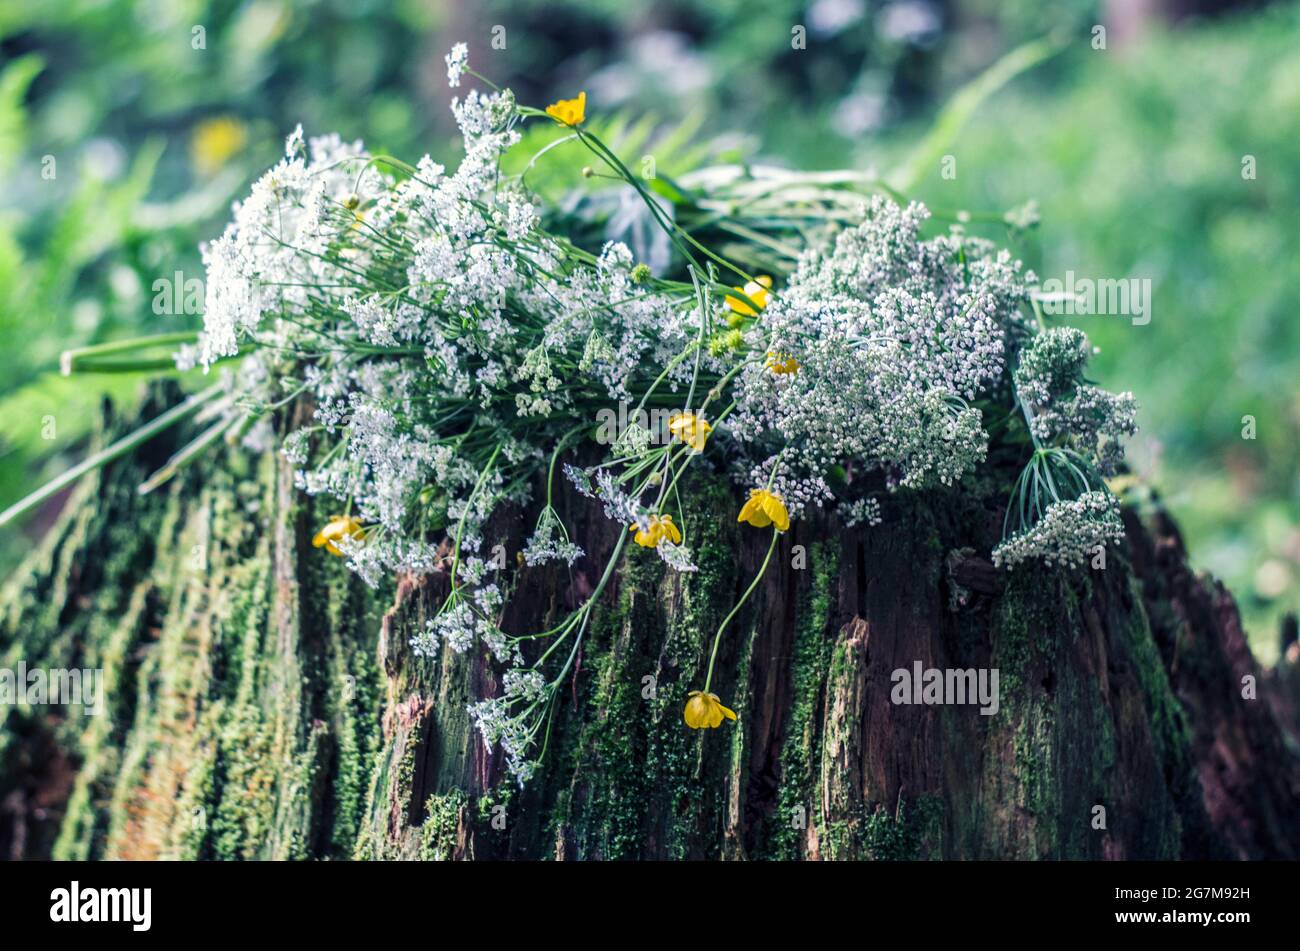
(860, 512)
(467, 620)
(893, 335)
(270, 254)
(550, 542)
(1067, 534)
(1060, 507)
(1064, 410)
(456, 61)
(424, 313)
(498, 721)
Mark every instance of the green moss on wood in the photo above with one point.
(443, 815)
(809, 664)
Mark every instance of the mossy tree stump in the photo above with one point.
(262, 702)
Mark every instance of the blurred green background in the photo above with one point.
(128, 126)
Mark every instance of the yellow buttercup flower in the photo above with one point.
(338, 528)
(215, 142)
(765, 508)
(661, 528)
(782, 363)
(705, 710)
(756, 290)
(569, 111)
(690, 429)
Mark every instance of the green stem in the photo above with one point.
(115, 451)
(460, 529)
(83, 359)
(717, 638)
(187, 454)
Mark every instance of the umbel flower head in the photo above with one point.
(569, 111)
(661, 528)
(456, 62)
(705, 710)
(690, 429)
(1063, 409)
(764, 508)
(338, 528)
(1068, 533)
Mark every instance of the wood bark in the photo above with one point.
(262, 702)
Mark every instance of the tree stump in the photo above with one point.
(263, 702)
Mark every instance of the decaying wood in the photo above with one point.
(263, 703)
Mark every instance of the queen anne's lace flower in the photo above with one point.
(456, 61)
(890, 337)
(1067, 411)
(549, 543)
(1068, 533)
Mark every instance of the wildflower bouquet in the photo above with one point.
(457, 350)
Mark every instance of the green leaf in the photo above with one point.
(954, 116)
(14, 82)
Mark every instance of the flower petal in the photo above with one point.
(756, 516)
(774, 509)
(696, 711)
